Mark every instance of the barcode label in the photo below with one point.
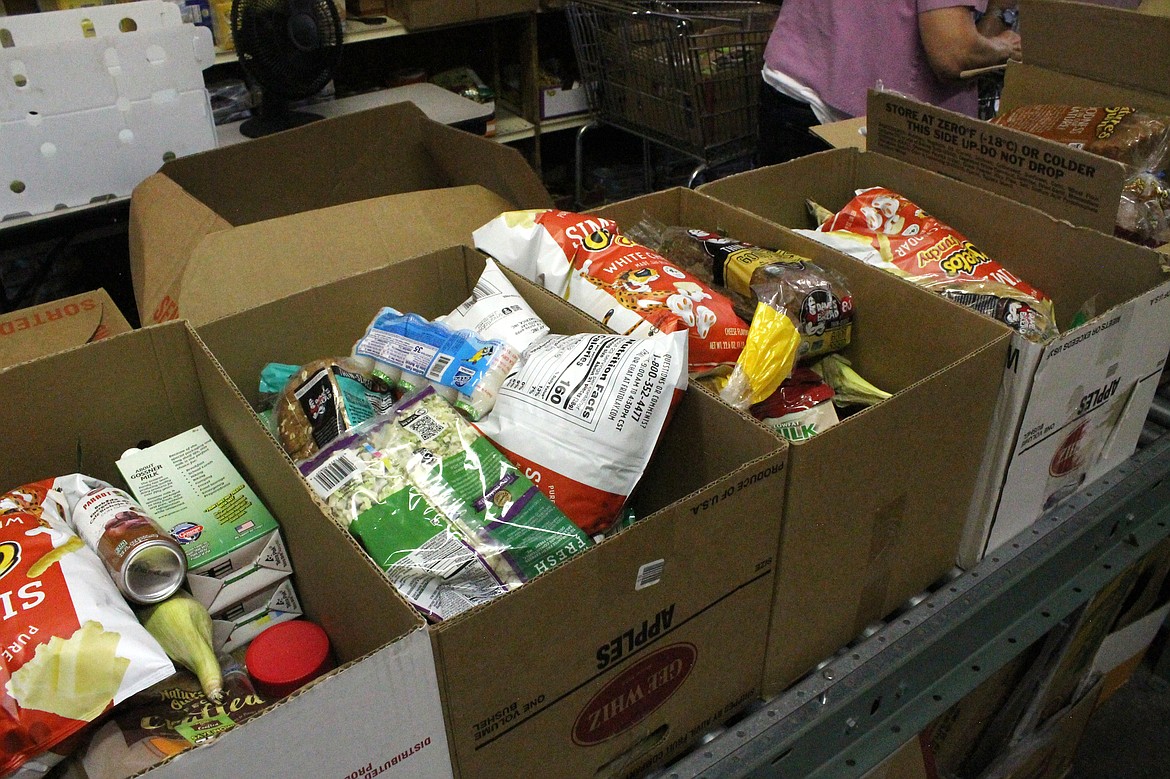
(435, 372)
(336, 471)
(649, 574)
(483, 289)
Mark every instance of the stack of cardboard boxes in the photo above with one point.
(773, 555)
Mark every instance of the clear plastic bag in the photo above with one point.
(452, 521)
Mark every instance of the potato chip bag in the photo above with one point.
(629, 288)
(72, 648)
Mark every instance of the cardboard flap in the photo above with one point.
(1073, 185)
(248, 266)
(1080, 39)
(61, 324)
(160, 201)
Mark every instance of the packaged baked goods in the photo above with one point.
(816, 299)
(628, 287)
(167, 719)
(884, 229)
(1137, 138)
(72, 646)
(307, 406)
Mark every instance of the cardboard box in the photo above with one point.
(237, 625)
(864, 530)
(159, 381)
(848, 133)
(216, 232)
(907, 763)
(1049, 752)
(96, 99)
(61, 324)
(1097, 378)
(419, 14)
(555, 101)
(1064, 65)
(579, 669)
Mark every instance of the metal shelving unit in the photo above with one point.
(869, 699)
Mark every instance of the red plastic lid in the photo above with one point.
(288, 656)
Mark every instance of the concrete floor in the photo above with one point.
(1129, 735)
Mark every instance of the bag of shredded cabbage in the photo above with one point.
(72, 648)
(441, 510)
(582, 415)
(629, 288)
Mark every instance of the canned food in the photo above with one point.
(144, 561)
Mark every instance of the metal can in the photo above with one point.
(144, 561)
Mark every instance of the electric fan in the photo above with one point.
(290, 48)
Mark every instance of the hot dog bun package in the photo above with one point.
(884, 229)
(72, 646)
(1136, 138)
(628, 287)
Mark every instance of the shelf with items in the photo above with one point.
(355, 32)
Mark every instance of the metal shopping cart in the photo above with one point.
(685, 75)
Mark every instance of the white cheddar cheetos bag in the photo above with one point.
(70, 647)
(582, 414)
(629, 288)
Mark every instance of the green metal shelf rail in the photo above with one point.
(871, 698)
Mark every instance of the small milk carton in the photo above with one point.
(233, 544)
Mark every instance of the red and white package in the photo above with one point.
(905, 240)
(582, 415)
(72, 648)
(800, 408)
(629, 288)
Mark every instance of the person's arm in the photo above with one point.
(953, 44)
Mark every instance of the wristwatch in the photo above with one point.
(1009, 16)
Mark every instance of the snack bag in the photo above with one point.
(630, 288)
(888, 231)
(72, 646)
(439, 508)
(582, 415)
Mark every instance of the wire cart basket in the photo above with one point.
(682, 74)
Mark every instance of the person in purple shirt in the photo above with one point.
(824, 55)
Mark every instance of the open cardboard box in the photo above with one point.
(420, 14)
(1077, 54)
(158, 382)
(875, 505)
(60, 324)
(1097, 378)
(230, 228)
(578, 669)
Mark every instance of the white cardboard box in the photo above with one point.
(94, 100)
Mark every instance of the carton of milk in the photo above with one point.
(233, 544)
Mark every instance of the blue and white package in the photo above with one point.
(464, 368)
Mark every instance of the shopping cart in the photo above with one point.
(685, 75)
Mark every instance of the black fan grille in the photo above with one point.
(290, 47)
